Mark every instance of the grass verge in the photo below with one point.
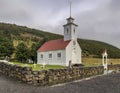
(39, 66)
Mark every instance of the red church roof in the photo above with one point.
(54, 45)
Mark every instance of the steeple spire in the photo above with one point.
(70, 7)
(70, 28)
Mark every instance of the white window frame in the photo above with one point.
(74, 30)
(50, 55)
(41, 56)
(58, 55)
(74, 43)
(67, 31)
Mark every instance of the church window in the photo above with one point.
(74, 30)
(67, 30)
(41, 55)
(59, 55)
(50, 55)
(74, 43)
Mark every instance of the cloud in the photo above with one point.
(15, 11)
(97, 19)
(101, 24)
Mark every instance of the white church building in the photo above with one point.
(63, 51)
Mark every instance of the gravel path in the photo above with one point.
(102, 84)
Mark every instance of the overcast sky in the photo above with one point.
(97, 19)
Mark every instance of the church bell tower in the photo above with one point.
(70, 28)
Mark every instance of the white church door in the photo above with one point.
(74, 56)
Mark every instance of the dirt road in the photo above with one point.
(103, 84)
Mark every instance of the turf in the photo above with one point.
(88, 62)
(39, 66)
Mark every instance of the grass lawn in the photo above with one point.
(98, 61)
(39, 66)
(85, 61)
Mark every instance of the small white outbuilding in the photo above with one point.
(63, 51)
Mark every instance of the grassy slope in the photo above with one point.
(94, 48)
(30, 36)
(98, 61)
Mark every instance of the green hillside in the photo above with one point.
(11, 36)
(95, 48)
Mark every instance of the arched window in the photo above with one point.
(74, 43)
(74, 30)
(67, 30)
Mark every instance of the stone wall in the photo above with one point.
(51, 76)
(114, 67)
